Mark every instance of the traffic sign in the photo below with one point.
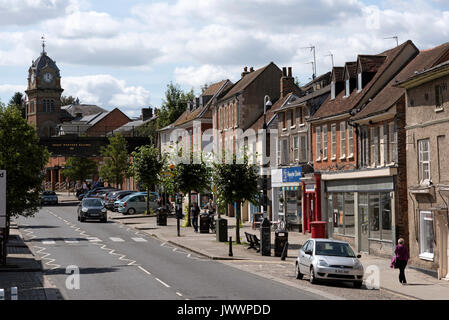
(2, 199)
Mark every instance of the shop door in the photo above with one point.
(364, 223)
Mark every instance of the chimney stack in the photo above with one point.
(147, 113)
(245, 71)
(287, 82)
(251, 69)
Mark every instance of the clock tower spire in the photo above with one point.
(44, 94)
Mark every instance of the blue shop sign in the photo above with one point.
(292, 174)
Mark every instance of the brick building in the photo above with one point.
(347, 181)
(427, 137)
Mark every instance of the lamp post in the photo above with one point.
(267, 106)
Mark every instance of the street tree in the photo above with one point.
(174, 104)
(116, 160)
(79, 168)
(191, 174)
(68, 100)
(236, 182)
(17, 102)
(146, 167)
(24, 160)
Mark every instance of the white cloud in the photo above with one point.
(196, 77)
(108, 92)
(8, 90)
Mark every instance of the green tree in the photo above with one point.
(192, 174)
(236, 183)
(16, 101)
(174, 105)
(116, 160)
(146, 167)
(24, 160)
(79, 168)
(65, 101)
(149, 130)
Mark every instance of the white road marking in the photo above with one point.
(93, 239)
(139, 239)
(48, 242)
(163, 282)
(146, 271)
(116, 239)
(71, 241)
(179, 294)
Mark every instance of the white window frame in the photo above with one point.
(359, 82)
(425, 255)
(324, 131)
(332, 90)
(296, 148)
(318, 143)
(350, 143)
(424, 174)
(347, 88)
(334, 141)
(342, 140)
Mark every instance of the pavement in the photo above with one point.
(24, 271)
(420, 285)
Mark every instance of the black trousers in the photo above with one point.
(401, 265)
(195, 222)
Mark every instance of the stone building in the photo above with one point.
(427, 144)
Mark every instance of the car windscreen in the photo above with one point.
(338, 249)
(92, 203)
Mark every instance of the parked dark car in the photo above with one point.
(49, 197)
(92, 208)
(94, 193)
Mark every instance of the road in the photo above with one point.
(117, 262)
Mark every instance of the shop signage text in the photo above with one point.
(292, 174)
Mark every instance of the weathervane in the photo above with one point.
(43, 44)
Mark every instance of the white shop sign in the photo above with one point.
(2, 199)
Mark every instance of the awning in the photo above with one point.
(290, 188)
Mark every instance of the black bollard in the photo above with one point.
(230, 247)
(284, 252)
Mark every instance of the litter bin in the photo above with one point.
(280, 239)
(318, 229)
(222, 230)
(204, 223)
(161, 219)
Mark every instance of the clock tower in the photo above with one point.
(44, 95)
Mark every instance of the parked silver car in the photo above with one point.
(329, 260)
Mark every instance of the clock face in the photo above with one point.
(48, 77)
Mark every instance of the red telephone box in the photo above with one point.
(311, 193)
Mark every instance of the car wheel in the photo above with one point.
(312, 276)
(299, 275)
(82, 219)
(131, 211)
(358, 284)
(104, 220)
(78, 218)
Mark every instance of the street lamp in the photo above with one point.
(267, 106)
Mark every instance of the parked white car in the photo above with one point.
(327, 259)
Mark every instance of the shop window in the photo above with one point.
(292, 214)
(337, 212)
(374, 217)
(386, 216)
(426, 235)
(349, 220)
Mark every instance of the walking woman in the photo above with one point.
(401, 259)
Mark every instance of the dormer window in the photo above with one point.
(359, 82)
(347, 88)
(333, 90)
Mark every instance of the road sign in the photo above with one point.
(2, 199)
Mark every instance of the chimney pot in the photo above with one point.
(251, 69)
(289, 72)
(245, 69)
(284, 71)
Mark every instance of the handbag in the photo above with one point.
(393, 262)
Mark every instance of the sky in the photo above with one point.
(123, 53)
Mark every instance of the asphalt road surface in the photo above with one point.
(116, 262)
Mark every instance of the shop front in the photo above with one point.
(287, 196)
(362, 212)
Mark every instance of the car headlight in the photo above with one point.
(323, 263)
(84, 210)
(358, 266)
(104, 210)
